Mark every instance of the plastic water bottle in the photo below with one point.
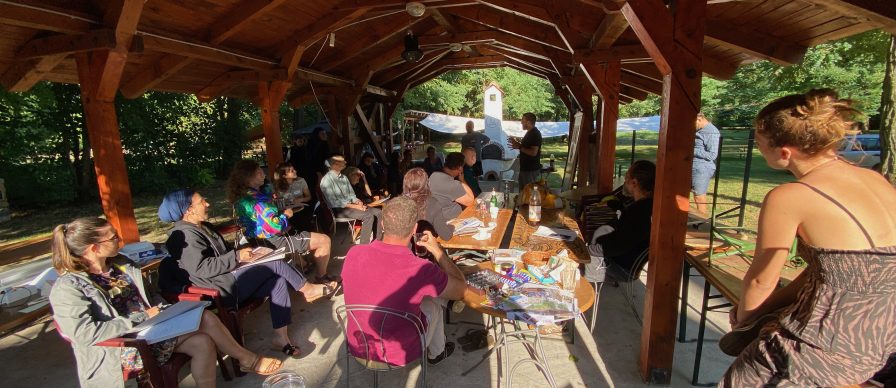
(535, 206)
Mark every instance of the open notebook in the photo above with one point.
(267, 254)
(178, 319)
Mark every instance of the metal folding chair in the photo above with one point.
(348, 317)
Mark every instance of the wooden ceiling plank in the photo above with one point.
(543, 64)
(443, 21)
(386, 54)
(528, 10)
(638, 82)
(754, 43)
(511, 24)
(29, 17)
(22, 76)
(332, 21)
(67, 44)
(238, 18)
(339, 58)
(205, 52)
(413, 68)
(880, 12)
(151, 74)
(609, 30)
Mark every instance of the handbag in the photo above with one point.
(735, 341)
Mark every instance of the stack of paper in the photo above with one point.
(555, 233)
(467, 226)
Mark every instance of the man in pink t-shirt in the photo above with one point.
(387, 274)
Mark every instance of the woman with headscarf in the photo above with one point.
(211, 263)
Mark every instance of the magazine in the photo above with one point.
(537, 304)
(178, 319)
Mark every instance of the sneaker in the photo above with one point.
(449, 348)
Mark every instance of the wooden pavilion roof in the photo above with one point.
(225, 47)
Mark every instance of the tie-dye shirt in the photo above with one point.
(259, 216)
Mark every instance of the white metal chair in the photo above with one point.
(377, 318)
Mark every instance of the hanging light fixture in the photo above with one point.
(415, 9)
(412, 51)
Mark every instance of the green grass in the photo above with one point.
(32, 223)
(762, 178)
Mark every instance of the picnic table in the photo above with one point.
(469, 242)
(725, 273)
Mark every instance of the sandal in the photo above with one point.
(328, 291)
(259, 366)
(328, 279)
(290, 350)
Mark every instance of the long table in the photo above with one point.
(725, 274)
(522, 235)
(468, 242)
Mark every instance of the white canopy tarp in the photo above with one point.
(457, 125)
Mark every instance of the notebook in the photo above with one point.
(268, 255)
(178, 319)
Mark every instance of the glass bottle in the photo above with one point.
(535, 206)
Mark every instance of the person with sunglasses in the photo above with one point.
(100, 295)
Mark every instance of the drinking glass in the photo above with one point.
(568, 278)
(419, 250)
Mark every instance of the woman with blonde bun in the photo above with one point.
(834, 324)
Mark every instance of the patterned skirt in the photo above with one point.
(161, 351)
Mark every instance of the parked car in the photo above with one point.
(862, 150)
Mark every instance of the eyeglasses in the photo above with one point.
(113, 238)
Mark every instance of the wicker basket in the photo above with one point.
(536, 258)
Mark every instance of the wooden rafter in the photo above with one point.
(353, 52)
(226, 26)
(754, 43)
(31, 17)
(880, 12)
(628, 53)
(67, 44)
(511, 24)
(610, 28)
(23, 75)
(387, 76)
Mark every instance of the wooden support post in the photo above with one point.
(99, 74)
(269, 99)
(606, 77)
(583, 93)
(674, 39)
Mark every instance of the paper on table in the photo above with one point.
(466, 226)
(555, 233)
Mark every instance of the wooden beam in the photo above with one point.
(674, 40)
(370, 131)
(628, 53)
(392, 74)
(206, 52)
(754, 43)
(227, 80)
(269, 100)
(646, 84)
(318, 29)
(238, 18)
(511, 24)
(609, 30)
(182, 54)
(67, 44)
(607, 78)
(879, 12)
(357, 51)
(23, 15)
(443, 21)
(583, 92)
(23, 75)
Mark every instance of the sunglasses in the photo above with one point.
(113, 238)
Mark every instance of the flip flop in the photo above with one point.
(329, 291)
(272, 366)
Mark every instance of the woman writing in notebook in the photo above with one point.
(833, 325)
(100, 295)
(210, 263)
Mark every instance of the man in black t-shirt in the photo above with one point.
(530, 151)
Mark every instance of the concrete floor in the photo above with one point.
(38, 357)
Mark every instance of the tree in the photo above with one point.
(888, 116)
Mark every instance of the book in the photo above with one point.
(266, 254)
(178, 319)
(555, 233)
(379, 201)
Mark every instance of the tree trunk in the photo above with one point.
(888, 116)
